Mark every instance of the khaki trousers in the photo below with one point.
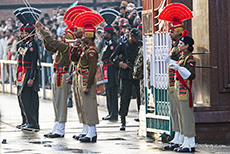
(60, 96)
(76, 96)
(88, 113)
(186, 115)
(174, 111)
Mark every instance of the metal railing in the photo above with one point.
(11, 63)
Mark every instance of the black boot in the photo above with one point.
(31, 127)
(171, 146)
(70, 103)
(123, 123)
(77, 137)
(88, 139)
(22, 125)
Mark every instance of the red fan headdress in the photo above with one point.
(176, 13)
(178, 10)
(88, 20)
(71, 14)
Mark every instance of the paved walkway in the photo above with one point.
(110, 139)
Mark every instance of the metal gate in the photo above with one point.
(156, 83)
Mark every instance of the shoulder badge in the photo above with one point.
(91, 54)
(111, 47)
(31, 49)
(191, 64)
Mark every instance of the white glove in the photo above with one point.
(174, 66)
(166, 57)
(184, 72)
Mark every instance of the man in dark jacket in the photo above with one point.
(127, 51)
(30, 80)
(110, 74)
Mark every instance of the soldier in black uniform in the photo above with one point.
(20, 47)
(28, 93)
(30, 82)
(110, 73)
(128, 50)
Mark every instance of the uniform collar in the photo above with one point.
(91, 44)
(109, 42)
(185, 54)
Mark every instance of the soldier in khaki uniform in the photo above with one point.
(85, 79)
(185, 73)
(176, 29)
(170, 13)
(69, 18)
(80, 46)
(60, 87)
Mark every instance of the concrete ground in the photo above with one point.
(110, 139)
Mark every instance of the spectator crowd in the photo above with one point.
(9, 34)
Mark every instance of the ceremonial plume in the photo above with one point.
(85, 18)
(88, 20)
(27, 15)
(185, 33)
(175, 10)
(71, 14)
(18, 14)
(139, 11)
(109, 15)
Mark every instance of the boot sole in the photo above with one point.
(31, 130)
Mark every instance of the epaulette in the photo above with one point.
(91, 51)
(189, 59)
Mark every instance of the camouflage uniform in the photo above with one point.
(138, 74)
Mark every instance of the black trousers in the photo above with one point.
(30, 100)
(126, 90)
(112, 100)
(23, 114)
